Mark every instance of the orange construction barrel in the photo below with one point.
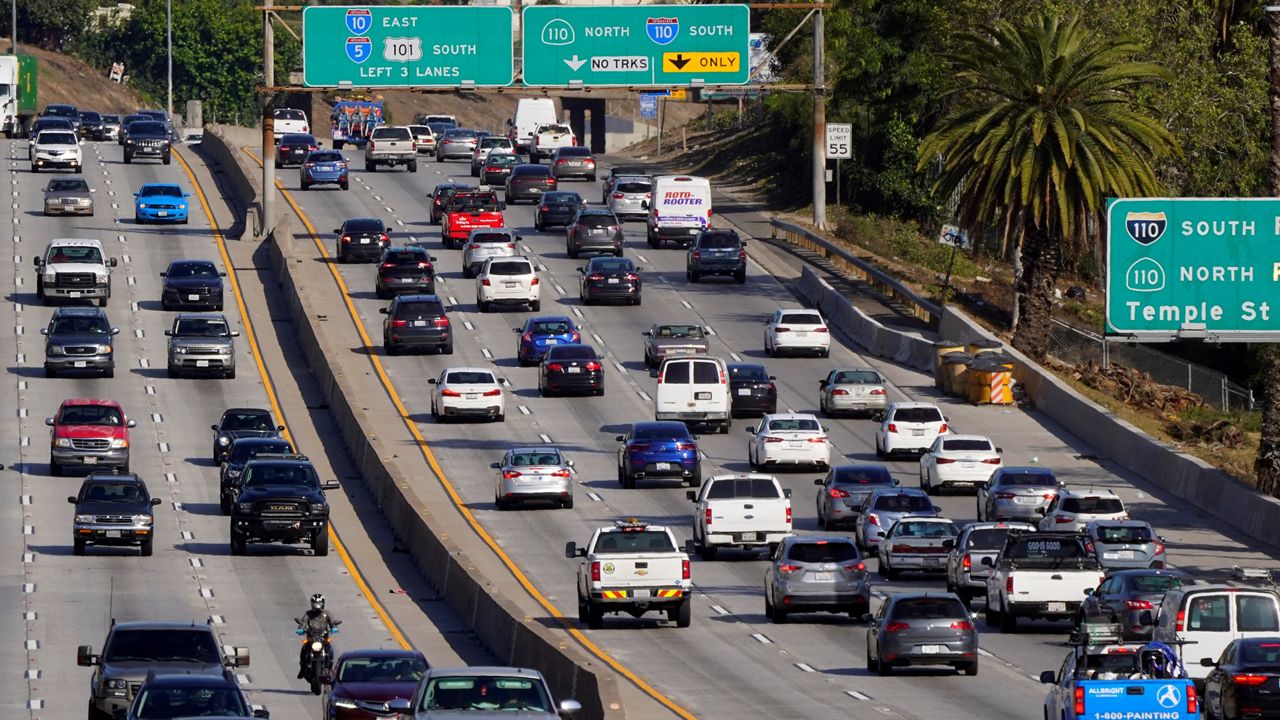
(979, 382)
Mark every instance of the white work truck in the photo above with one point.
(634, 568)
(743, 510)
(1039, 575)
(391, 146)
(548, 138)
(73, 269)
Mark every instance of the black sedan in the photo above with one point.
(361, 239)
(751, 390)
(440, 198)
(405, 270)
(192, 284)
(557, 208)
(239, 423)
(1125, 595)
(497, 167)
(529, 182)
(1245, 680)
(570, 368)
(610, 278)
(293, 148)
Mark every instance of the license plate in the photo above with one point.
(1118, 555)
(280, 524)
(202, 363)
(1056, 607)
(1025, 500)
(537, 190)
(112, 534)
(472, 396)
(552, 341)
(917, 433)
(640, 593)
(613, 281)
(80, 364)
(702, 396)
(744, 391)
(795, 444)
(802, 333)
(967, 465)
(90, 460)
(364, 241)
(574, 370)
(193, 297)
(822, 577)
(933, 562)
(162, 213)
(662, 466)
(509, 285)
(74, 293)
(932, 649)
(694, 231)
(750, 537)
(419, 323)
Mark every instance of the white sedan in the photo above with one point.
(467, 392)
(789, 439)
(958, 461)
(796, 331)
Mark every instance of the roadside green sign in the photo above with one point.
(407, 46)
(1202, 268)
(644, 45)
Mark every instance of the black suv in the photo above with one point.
(241, 423)
(416, 321)
(440, 197)
(164, 696)
(242, 451)
(405, 270)
(79, 339)
(91, 125)
(66, 112)
(281, 500)
(717, 252)
(194, 284)
(361, 239)
(134, 649)
(113, 509)
(147, 138)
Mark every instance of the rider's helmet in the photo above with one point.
(317, 602)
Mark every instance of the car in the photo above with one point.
(669, 340)
(853, 391)
(50, 123)
(626, 196)
(324, 167)
(195, 284)
(508, 281)
(844, 491)
(161, 202)
(486, 146)
(113, 509)
(469, 210)
(134, 650)
(79, 339)
(967, 571)
(796, 331)
(958, 461)
(886, 506)
(1123, 544)
(61, 110)
(483, 244)
(743, 511)
(148, 138)
(717, 251)
(1124, 595)
(289, 120)
(440, 196)
(404, 270)
(634, 568)
(292, 149)
(416, 322)
(549, 137)
(573, 161)
(921, 629)
(605, 279)
(570, 368)
(1204, 618)
(658, 449)
(816, 574)
(424, 139)
(1039, 575)
(529, 182)
(594, 230)
(68, 196)
(166, 697)
(90, 433)
(123, 134)
(467, 691)
(788, 439)
(110, 127)
(73, 269)
(557, 208)
(91, 125)
(389, 146)
(193, 137)
(543, 332)
(1242, 681)
(909, 427)
(536, 473)
(365, 680)
(201, 344)
(56, 149)
(1016, 493)
(281, 500)
(467, 392)
(694, 390)
(439, 127)
(456, 143)
(614, 175)
(241, 422)
(361, 239)
(241, 451)
(497, 167)
(919, 544)
(1071, 509)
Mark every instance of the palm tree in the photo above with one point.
(1044, 126)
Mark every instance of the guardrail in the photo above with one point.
(860, 269)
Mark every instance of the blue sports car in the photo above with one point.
(540, 333)
(160, 202)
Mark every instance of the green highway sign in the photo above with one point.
(1200, 268)
(406, 46)
(656, 45)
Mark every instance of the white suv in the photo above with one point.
(56, 149)
(1071, 510)
(799, 331)
(909, 427)
(508, 281)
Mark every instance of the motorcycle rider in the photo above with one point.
(316, 623)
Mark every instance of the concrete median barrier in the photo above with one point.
(903, 348)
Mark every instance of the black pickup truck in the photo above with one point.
(281, 500)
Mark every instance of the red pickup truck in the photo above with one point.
(89, 432)
(467, 211)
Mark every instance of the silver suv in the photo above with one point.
(201, 343)
(485, 243)
(628, 195)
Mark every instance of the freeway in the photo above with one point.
(730, 663)
(69, 601)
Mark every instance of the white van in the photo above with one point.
(1209, 617)
(530, 113)
(679, 209)
(693, 389)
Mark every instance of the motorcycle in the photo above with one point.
(320, 654)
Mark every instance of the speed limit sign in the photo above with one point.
(839, 141)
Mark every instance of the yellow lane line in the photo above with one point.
(275, 402)
(458, 504)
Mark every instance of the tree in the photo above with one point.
(50, 24)
(1044, 125)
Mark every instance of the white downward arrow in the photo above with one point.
(575, 63)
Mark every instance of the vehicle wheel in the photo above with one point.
(683, 614)
(567, 504)
(315, 686)
(926, 485)
(879, 450)
(238, 546)
(595, 616)
(370, 167)
(337, 145)
(482, 305)
(380, 293)
(768, 607)
(128, 159)
(167, 159)
(448, 349)
(873, 665)
(173, 373)
(708, 553)
(125, 467)
(741, 277)
(887, 572)
(229, 374)
(1008, 623)
(779, 616)
(148, 547)
(55, 469)
(344, 185)
(320, 543)
(694, 276)
(306, 185)
(824, 353)
(573, 253)
(538, 226)
(77, 548)
(582, 611)
(413, 166)
(822, 522)
(882, 668)
(102, 301)
(971, 669)
(391, 348)
(535, 306)
(224, 505)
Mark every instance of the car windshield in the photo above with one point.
(91, 415)
(1124, 534)
(967, 444)
(575, 152)
(917, 415)
(192, 269)
(161, 191)
(392, 133)
(550, 327)
(903, 503)
(80, 325)
(633, 188)
(795, 425)
(562, 198)
(152, 645)
(381, 670)
(915, 529)
(247, 421)
(164, 703)
(201, 327)
(1260, 652)
(469, 377)
(597, 220)
(725, 241)
(661, 432)
(440, 127)
(147, 127)
(420, 310)
(420, 130)
(757, 488)
(532, 170)
(297, 139)
(680, 331)
(1093, 505)
(495, 142)
(403, 258)
(555, 129)
(60, 111)
(242, 452)
(478, 203)
(510, 267)
(1023, 479)
(858, 377)
(869, 475)
(485, 694)
(111, 118)
(490, 237)
(633, 541)
(611, 265)
(928, 609)
(986, 539)
(801, 318)
(90, 116)
(459, 134)
(293, 475)
(68, 185)
(530, 458)
(287, 114)
(364, 225)
(56, 138)
(86, 254)
(823, 551)
(113, 492)
(497, 159)
(571, 352)
(748, 373)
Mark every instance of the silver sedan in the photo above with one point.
(816, 574)
(853, 391)
(1017, 493)
(533, 473)
(68, 196)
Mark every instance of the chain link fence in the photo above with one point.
(1075, 346)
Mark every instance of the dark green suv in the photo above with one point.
(113, 509)
(717, 252)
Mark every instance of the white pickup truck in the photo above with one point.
(549, 138)
(632, 567)
(748, 510)
(391, 146)
(1039, 575)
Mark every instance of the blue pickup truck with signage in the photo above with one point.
(1106, 679)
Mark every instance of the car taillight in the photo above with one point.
(659, 377)
(708, 517)
(595, 277)
(903, 549)
(492, 393)
(491, 169)
(631, 276)
(1137, 605)
(1159, 548)
(399, 323)
(839, 392)
(388, 266)
(309, 165)
(893, 428)
(877, 391)
(966, 562)
(618, 196)
(896, 627)
(527, 337)
(595, 571)
(311, 147)
(962, 625)
(576, 337)
(373, 145)
(697, 254)
(615, 228)
(555, 367)
(450, 393)
(943, 461)
(992, 461)
(545, 208)
(684, 446)
(788, 568)
(510, 474)
(836, 492)
(942, 429)
(593, 366)
(558, 473)
(742, 255)
(1180, 621)
(855, 567)
(436, 201)
(771, 439)
(533, 282)
(441, 322)
(424, 266)
(485, 282)
(684, 570)
(638, 447)
(788, 514)
(873, 519)
(1193, 700)
(551, 181)
(346, 238)
(782, 329)
(1088, 547)
(1005, 496)
(342, 165)
(817, 439)
(305, 129)
(1079, 700)
(589, 161)
(561, 162)
(384, 238)
(1008, 585)
(1061, 519)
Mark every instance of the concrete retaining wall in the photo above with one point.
(503, 627)
(1177, 473)
(878, 340)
